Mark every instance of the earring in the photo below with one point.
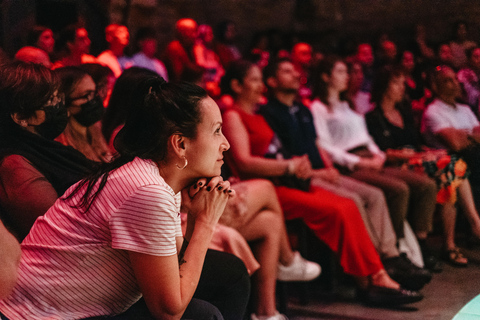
(181, 168)
(24, 123)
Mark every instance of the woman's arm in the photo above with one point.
(9, 260)
(237, 135)
(25, 193)
(166, 283)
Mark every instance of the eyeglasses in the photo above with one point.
(54, 101)
(89, 95)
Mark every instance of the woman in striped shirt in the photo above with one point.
(115, 236)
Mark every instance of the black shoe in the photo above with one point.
(402, 270)
(382, 296)
(432, 263)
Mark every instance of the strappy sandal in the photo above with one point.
(455, 257)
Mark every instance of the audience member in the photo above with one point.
(103, 77)
(226, 47)
(128, 228)
(365, 56)
(255, 213)
(146, 43)
(42, 38)
(460, 44)
(387, 53)
(450, 125)
(469, 79)
(343, 134)
(34, 55)
(34, 169)
(179, 55)
(359, 100)
(117, 37)
(444, 55)
(420, 46)
(206, 57)
(85, 109)
(73, 47)
(391, 125)
(9, 260)
(302, 58)
(415, 90)
(324, 212)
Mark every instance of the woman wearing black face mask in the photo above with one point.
(86, 110)
(34, 169)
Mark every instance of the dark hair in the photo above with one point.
(67, 34)
(69, 78)
(24, 88)
(159, 110)
(382, 81)
(97, 71)
(221, 29)
(121, 100)
(236, 71)
(34, 34)
(469, 52)
(271, 69)
(325, 66)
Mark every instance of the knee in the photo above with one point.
(402, 191)
(239, 277)
(202, 310)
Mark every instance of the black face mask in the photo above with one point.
(92, 111)
(56, 119)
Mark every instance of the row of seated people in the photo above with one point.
(42, 169)
(379, 228)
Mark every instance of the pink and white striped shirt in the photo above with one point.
(75, 264)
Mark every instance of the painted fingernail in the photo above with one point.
(200, 183)
(230, 191)
(195, 186)
(220, 188)
(209, 188)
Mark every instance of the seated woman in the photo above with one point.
(255, 213)
(115, 237)
(342, 133)
(34, 169)
(9, 261)
(85, 107)
(392, 126)
(334, 219)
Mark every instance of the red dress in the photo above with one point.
(334, 219)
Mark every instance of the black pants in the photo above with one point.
(222, 292)
(472, 158)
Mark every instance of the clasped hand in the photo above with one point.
(205, 200)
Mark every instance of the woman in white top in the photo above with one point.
(115, 237)
(343, 134)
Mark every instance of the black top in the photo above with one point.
(295, 129)
(61, 165)
(388, 135)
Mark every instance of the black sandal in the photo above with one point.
(455, 256)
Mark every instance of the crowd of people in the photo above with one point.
(157, 185)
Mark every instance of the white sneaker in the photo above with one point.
(299, 270)
(277, 316)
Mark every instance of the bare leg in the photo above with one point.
(468, 206)
(262, 234)
(449, 215)
(380, 279)
(261, 196)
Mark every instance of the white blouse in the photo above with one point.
(339, 130)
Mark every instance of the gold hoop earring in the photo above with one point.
(181, 168)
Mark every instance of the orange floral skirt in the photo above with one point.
(447, 170)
